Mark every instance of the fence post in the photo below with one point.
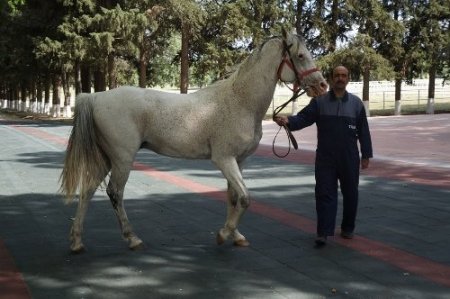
(418, 98)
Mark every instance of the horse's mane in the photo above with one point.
(252, 58)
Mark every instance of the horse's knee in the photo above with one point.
(242, 198)
(244, 201)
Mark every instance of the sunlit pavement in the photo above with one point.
(400, 250)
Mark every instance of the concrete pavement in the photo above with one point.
(401, 249)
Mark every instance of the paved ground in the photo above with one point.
(401, 250)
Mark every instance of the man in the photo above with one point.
(341, 121)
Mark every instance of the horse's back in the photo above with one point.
(131, 118)
(177, 125)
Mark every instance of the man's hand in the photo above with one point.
(364, 163)
(281, 120)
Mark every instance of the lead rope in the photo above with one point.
(291, 137)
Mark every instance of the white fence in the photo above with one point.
(381, 94)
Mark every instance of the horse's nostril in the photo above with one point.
(323, 85)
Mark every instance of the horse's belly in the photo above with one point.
(179, 150)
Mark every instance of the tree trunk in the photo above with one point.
(85, 78)
(47, 85)
(333, 26)
(39, 90)
(67, 110)
(77, 76)
(142, 69)
(112, 77)
(184, 76)
(65, 86)
(3, 95)
(23, 96)
(99, 80)
(431, 89)
(366, 87)
(398, 96)
(15, 97)
(33, 104)
(299, 17)
(56, 102)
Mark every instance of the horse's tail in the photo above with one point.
(85, 164)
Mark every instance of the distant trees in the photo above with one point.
(48, 48)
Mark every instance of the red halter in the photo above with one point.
(299, 75)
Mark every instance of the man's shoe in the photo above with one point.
(347, 235)
(321, 241)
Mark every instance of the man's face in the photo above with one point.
(340, 78)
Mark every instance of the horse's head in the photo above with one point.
(299, 68)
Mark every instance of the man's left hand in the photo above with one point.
(364, 163)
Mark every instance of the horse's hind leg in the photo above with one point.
(115, 189)
(76, 244)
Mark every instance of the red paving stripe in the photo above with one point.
(432, 176)
(404, 260)
(38, 133)
(12, 284)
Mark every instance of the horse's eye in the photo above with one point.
(301, 56)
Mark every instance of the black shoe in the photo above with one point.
(321, 241)
(347, 235)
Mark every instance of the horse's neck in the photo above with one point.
(256, 80)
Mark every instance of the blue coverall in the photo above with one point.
(340, 124)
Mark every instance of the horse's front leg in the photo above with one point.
(115, 191)
(234, 214)
(237, 202)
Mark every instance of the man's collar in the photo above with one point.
(334, 98)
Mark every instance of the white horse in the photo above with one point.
(222, 122)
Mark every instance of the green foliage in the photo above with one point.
(356, 56)
(38, 38)
(429, 28)
(163, 72)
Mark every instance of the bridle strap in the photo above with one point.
(299, 76)
(287, 59)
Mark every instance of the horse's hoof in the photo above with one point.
(241, 243)
(137, 247)
(77, 249)
(136, 244)
(219, 239)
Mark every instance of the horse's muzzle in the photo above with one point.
(317, 90)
